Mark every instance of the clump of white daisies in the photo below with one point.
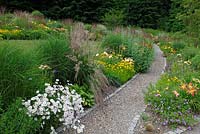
(57, 101)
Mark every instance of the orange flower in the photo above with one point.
(192, 91)
(176, 93)
(184, 86)
(190, 86)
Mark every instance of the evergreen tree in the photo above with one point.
(146, 13)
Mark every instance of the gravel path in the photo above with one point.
(118, 112)
(195, 130)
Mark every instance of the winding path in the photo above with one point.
(117, 115)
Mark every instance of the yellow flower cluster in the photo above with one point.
(116, 65)
(174, 79)
(43, 26)
(5, 31)
(169, 49)
(107, 55)
(122, 66)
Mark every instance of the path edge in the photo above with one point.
(135, 120)
(59, 130)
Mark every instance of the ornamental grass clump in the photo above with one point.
(57, 104)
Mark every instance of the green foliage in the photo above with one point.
(145, 13)
(5, 18)
(175, 97)
(142, 55)
(19, 72)
(86, 94)
(191, 17)
(138, 12)
(54, 24)
(114, 18)
(97, 32)
(117, 69)
(129, 47)
(115, 42)
(1, 105)
(189, 52)
(173, 23)
(65, 64)
(37, 13)
(145, 117)
(26, 27)
(168, 96)
(22, 21)
(54, 52)
(33, 34)
(15, 120)
(88, 27)
(177, 45)
(196, 62)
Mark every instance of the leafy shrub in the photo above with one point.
(114, 18)
(189, 52)
(196, 62)
(88, 27)
(54, 24)
(5, 19)
(178, 45)
(1, 37)
(19, 72)
(142, 56)
(115, 42)
(86, 94)
(15, 120)
(101, 29)
(37, 13)
(35, 34)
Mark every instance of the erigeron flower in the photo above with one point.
(44, 67)
(53, 131)
(56, 102)
(187, 62)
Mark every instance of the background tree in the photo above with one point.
(145, 13)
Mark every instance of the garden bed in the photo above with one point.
(173, 100)
(87, 61)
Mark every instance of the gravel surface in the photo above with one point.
(195, 130)
(116, 115)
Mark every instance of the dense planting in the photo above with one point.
(54, 51)
(176, 95)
